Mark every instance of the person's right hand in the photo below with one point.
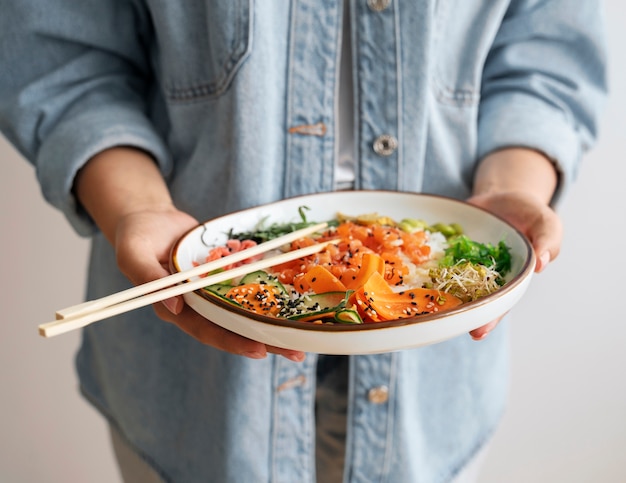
(124, 192)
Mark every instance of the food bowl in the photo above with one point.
(370, 338)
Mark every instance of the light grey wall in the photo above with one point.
(566, 418)
(47, 432)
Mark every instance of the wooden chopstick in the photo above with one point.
(146, 288)
(84, 314)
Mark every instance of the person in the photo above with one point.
(144, 117)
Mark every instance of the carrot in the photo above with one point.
(370, 263)
(256, 297)
(376, 301)
(320, 280)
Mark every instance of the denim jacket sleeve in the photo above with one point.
(544, 81)
(77, 85)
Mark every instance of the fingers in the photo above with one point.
(543, 260)
(482, 332)
(142, 253)
(295, 356)
(546, 236)
(174, 305)
(142, 268)
(537, 220)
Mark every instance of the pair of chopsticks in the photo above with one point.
(179, 283)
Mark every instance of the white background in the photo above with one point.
(566, 420)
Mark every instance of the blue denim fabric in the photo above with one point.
(236, 102)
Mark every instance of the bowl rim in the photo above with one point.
(510, 285)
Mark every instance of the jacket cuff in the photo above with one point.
(77, 140)
(522, 121)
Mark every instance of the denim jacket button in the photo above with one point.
(378, 395)
(378, 5)
(385, 145)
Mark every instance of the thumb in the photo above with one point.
(140, 268)
(545, 238)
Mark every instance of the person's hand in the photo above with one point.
(143, 240)
(531, 216)
(125, 194)
(518, 184)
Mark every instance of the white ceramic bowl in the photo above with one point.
(367, 338)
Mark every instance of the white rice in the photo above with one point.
(419, 274)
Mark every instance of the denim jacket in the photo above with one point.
(236, 101)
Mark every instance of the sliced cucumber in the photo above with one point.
(348, 316)
(317, 306)
(261, 276)
(219, 288)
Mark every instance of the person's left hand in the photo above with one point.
(531, 216)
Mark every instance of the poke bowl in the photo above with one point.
(365, 330)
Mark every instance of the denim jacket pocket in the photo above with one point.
(207, 42)
(459, 54)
